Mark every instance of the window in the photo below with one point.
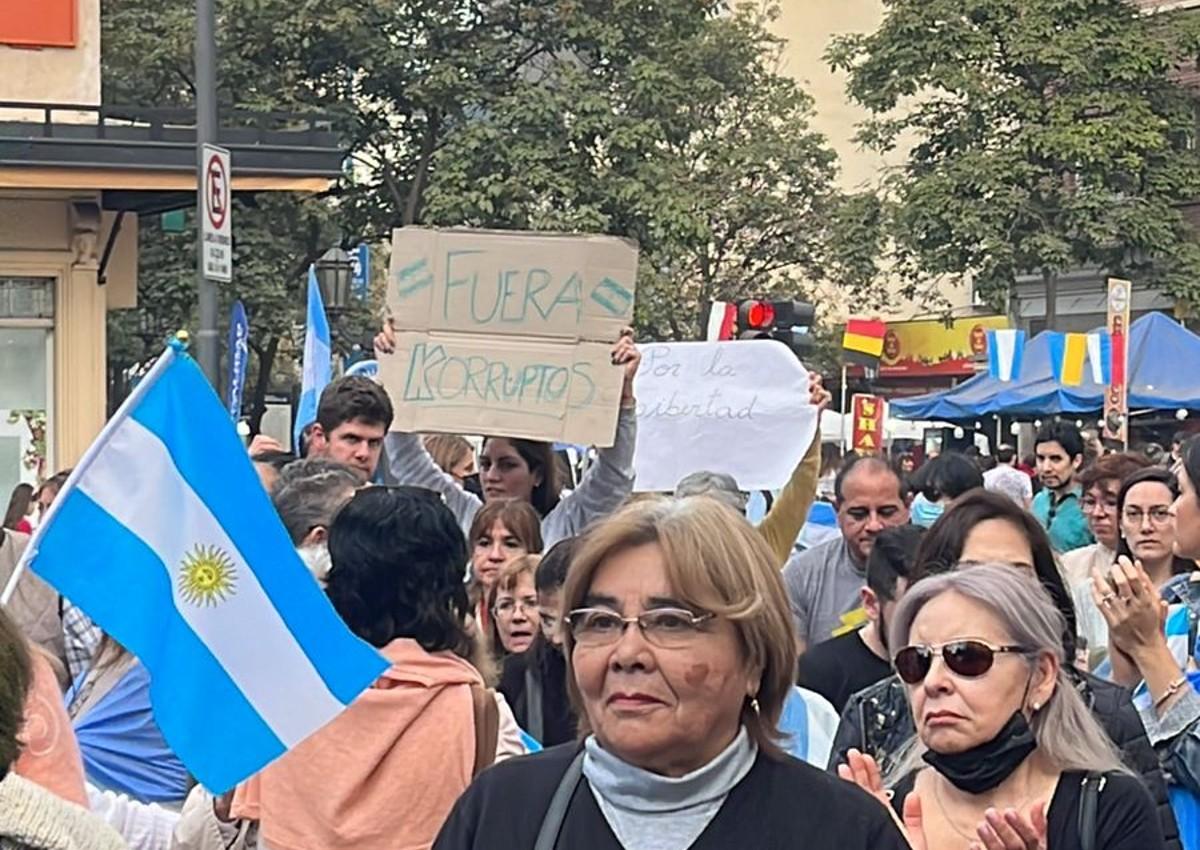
(26, 332)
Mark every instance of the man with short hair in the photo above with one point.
(842, 666)
(307, 496)
(1007, 479)
(353, 415)
(1058, 507)
(824, 583)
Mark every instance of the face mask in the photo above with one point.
(316, 558)
(925, 513)
(983, 767)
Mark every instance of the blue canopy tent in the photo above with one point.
(1161, 352)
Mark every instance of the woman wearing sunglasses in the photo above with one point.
(1006, 755)
(984, 527)
(680, 652)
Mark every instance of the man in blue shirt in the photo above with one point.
(1059, 450)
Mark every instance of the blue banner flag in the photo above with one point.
(318, 360)
(187, 565)
(360, 271)
(239, 353)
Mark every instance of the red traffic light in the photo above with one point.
(757, 315)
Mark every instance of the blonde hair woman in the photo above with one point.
(681, 653)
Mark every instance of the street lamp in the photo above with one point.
(334, 271)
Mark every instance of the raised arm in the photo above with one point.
(781, 526)
(609, 482)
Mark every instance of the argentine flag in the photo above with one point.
(318, 360)
(164, 536)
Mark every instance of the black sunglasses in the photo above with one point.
(969, 658)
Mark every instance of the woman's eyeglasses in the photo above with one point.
(508, 607)
(667, 628)
(968, 658)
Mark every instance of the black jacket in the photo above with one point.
(877, 721)
(543, 666)
(779, 805)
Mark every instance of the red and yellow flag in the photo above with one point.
(864, 336)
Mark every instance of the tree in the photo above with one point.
(1047, 135)
(667, 123)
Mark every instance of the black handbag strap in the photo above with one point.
(1089, 804)
(552, 823)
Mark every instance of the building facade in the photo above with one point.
(75, 176)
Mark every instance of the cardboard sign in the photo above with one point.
(739, 407)
(870, 411)
(508, 333)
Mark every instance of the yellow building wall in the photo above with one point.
(57, 74)
(39, 237)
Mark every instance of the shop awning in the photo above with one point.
(1161, 354)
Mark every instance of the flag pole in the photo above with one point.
(845, 438)
(179, 343)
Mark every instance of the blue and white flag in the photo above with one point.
(1099, 347)
(239, 353)
(318, 360)
(164, 536)
(1006, 348)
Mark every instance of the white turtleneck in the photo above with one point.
(651, 812)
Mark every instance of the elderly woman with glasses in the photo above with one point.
(1007, 755)
(681, 654)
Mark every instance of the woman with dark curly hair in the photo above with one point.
(386, 772)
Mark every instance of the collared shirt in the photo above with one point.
(81, 636)
(1063, 519)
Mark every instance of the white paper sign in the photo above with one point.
(739, 407)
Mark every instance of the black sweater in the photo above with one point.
(779, 804)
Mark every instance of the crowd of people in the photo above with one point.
(985, 655)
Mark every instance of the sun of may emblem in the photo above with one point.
(207, 576)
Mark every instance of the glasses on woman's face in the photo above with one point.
(968, 658)
(508, 607)
(1159, 515)
(666, 628)
(1092, 505)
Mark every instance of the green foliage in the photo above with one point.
(664, 122)
(1045, 135)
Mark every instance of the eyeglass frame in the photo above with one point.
(694, 620)
(526, 606)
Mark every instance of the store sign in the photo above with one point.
(1116, 394)
(44, 23)
(929, 347)
(870, 411)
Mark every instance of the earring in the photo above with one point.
(1037, 706)
(754, 705)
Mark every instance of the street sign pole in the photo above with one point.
(207, 353)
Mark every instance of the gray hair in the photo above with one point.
(716, 485)
(1066, 732)
(310, 492)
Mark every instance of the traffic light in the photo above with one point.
(786, 321)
